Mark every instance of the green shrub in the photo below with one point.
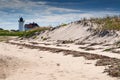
(25, 34)
(33, 32)
(9, 33)
(44, 39)
(109, 49)
(63, 24)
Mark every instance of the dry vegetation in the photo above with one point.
(5, 38)
(107, 23)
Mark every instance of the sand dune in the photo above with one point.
(78, 32)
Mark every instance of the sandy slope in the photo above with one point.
(78, 32)
(32, 64)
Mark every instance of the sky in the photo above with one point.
(53, 12)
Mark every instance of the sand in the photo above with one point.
(80, 33)
(33, 64)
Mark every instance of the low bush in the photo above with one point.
(33, 32)
(10, 33)
(26, 34)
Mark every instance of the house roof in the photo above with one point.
(31, 25)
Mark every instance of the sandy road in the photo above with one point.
(31, 64)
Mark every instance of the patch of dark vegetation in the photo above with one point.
(90, 48)
(114, 70)
(80, 43)
(65, 41)
(87, 48)
(106, 61)
(108, 49)
(45, 38)
(107, 44)
(113, 64)
(59, 45)
(112, 50)
(82, 47)
(94, 44)
(34, 43)
(103, 33)
(46, 44)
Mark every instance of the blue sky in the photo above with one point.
(53, 12)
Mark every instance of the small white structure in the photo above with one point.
(21, 24)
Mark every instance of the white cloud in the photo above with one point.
(41, 13)
(8, 25)
(57, 19)
(62, 9)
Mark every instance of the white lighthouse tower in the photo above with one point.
(21, 24)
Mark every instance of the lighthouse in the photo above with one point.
(21, 24)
